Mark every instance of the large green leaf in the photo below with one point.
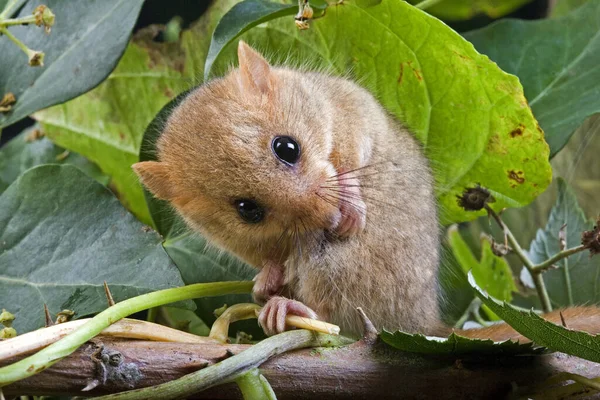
(62, 235)
(86, 42)
(471, 117)
(455, 345)
(542, 332)
(583, 271)
(239, 19)
(459, 10)
(25, 151)
(107, 124)
(557, 62)
(563, 7)
(491, 272)
(196, 40)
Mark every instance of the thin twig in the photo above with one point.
(18, 21)
(8, 9)
(536, 275)
(557, 257)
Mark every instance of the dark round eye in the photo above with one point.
(286, 149)
(250, 211)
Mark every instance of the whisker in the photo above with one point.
(359, 169)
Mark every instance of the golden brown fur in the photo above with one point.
(215, 149)
(359, 169)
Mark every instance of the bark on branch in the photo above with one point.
(356, 371)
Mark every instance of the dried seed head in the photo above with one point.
(591, 239)
(6, 318)
(7, 102)
(474, 199)
(8, 333)
(36, 58)
(44, 16)
(500, 249)
(64, 316)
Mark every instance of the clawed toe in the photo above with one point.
(273, 314)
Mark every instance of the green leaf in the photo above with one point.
(556, 61)
(583, 271)
(196, 40)
(460, 10)
(455, 345)
(471, 117)
(16, 4)
(196, 261)
(563, 7)
(107, 124)
(242, 17)
(492, 272)
(61, 236)
(24, 152)
(86, 42)
(542, 332)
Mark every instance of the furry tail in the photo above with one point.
(585, 319)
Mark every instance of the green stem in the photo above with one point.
(16, 41)
(425, 4)
(568, 281)
(231, 368)
(540, 286)
(535, 274)
(7, 9)
(253, 387)
(18, 21)
(557, 257)
(58, 350)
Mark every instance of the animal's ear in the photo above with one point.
(155, 176)
(255, 71)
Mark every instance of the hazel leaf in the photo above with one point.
(62, 235)
(86, 42)
(542, 332)
(583, 271)
(460, 10)
(471, 117)
(557, 61)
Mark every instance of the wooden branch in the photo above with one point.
(356, 371)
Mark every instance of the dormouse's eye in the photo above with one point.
(249, 210)
(286, 149)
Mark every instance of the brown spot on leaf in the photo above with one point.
(462, 56)
(401, 73)
(30, 368)
(169, 93)
(537, 126)
(518, 131)
(516, 176)
(121, 136)
(418, 74)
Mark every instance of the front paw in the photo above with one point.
(354, 218)
(273, 314)
(268, 282)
